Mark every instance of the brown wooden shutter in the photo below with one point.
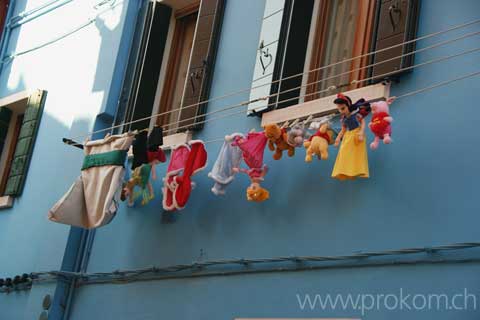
(3, 14)
(396, 23)
(25, 143)
(201, 63)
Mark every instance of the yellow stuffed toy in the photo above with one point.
(277, 141)
(318, 143)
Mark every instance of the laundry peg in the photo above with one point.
(294, 123)
(309, 119)
(284, 125)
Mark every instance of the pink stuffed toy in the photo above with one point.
(381, 121)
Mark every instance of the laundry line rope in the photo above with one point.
(245, 103)
(411, 93)
(324, 90)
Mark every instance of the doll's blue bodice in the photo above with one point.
(352, 121)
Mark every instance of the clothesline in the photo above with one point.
(290, 77)
(328, 89)
(188, 159)
(411, 93)
(310, 94)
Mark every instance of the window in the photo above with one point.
(20, 116)
(171, 64)
(300, 36)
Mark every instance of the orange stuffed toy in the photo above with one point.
(277, 141)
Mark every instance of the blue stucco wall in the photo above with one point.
(421, 193)
(78, 86)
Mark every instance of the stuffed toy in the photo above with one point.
(277, 141)
(318, 143)
(296, 135)
(380, 124)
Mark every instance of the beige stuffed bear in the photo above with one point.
(318, 143)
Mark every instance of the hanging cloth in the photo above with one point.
(139, 150)
(253, 149)
(185, 161)
(90, 201)
(228, 158)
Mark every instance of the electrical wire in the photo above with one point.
(285, 91)
(259, 265)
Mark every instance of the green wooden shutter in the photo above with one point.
(5, 116)
(25, 143)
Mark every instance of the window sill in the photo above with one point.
(6, 202)
(324, 106)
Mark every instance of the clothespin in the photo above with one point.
(294, 123)
(284, 125)
(309, 119)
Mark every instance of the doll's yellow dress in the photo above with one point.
(352, 157)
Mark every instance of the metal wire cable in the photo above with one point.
(440, 84)
(328, 89)
(63, 36)
(293, 76)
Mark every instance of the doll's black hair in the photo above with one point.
(362, 105)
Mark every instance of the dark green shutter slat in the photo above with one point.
(25, 144)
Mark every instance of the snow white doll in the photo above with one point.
(352, 159)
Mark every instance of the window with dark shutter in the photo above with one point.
(25, 144)
(202, 62)
(299, 38)
(171, 64)
(397, 22)
(144, 65)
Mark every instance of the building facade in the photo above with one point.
(72, 67)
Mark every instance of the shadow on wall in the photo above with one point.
(110, 33)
